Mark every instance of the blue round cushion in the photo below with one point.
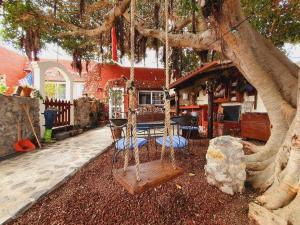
(121, 143)
(178, 141)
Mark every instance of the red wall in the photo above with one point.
(146, 79)
(113, 72)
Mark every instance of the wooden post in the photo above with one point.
(177, 101)
(210, 112)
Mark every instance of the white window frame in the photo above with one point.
(151, 98)
(56, 83)
(110, 102)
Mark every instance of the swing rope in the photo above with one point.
(132, 99)
(132, 113)
(167, 130)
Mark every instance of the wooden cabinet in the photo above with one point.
(255, 126)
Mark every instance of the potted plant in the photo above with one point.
(26, 91)
(37, 94)
(3, 88)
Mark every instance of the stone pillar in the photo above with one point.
(69, 97)
(39, 84)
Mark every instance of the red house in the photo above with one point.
(12, 68)
(103, 81)
(107, 82)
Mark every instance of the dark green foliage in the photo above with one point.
(279, 21)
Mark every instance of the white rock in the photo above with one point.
(226, 166)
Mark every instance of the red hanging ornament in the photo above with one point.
(114, 44)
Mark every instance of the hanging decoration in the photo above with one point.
(194, 16)
(140, 47)
(176, 55)
(114, 52)
(155, 42)
(211, 7)
(54, 8)
(77, 60)
(87, 63)
(30, 41)
(81, 8)
(120, 32)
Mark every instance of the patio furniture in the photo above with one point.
(120, 142)
(191, 128)
(179, 142)
(153, 126)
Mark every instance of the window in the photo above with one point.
(157, 98)
(55, 90)
(151, 97)
(144, 98)
(116, 103)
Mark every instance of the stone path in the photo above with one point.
(27, 177)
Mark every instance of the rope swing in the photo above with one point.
(141, 177)
(132, 112)
(167, 105)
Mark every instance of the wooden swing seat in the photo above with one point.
(152, 174)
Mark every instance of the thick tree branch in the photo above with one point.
(96, 6)
(74, 30)
(186, 40)
(183, 23)
(109, 19)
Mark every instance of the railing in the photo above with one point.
(63, 111)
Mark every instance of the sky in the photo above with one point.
(51, 51)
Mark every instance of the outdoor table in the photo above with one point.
(147, 126)
(153, 125)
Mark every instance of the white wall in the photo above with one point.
(202, 98)
(78, 89)
(260, 108)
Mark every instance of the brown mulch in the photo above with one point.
(92, 196)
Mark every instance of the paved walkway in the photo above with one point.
(27, 177)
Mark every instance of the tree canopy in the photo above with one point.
(82, 27)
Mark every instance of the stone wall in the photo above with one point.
(87, 112)
(12, 113)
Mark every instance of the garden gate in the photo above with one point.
(64, 111)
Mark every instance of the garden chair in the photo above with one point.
(118, 132)
(179, 142)
(191, 126)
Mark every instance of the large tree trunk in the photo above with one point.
(275, 166)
